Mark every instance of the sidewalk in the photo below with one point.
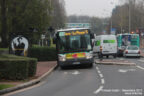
(43, 69)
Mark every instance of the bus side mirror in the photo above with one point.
(92, 35)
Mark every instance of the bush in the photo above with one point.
(4, 50)
(16, 67)
(32, 67)
(43, 53)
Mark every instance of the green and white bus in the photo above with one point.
(74, 47)
(125, 40)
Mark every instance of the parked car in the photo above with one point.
(132, 51)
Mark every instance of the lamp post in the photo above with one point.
(111, 24)
(129, 17)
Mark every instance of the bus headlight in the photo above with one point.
(62, 58)
(89, 56)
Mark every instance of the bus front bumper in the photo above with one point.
(73, 62)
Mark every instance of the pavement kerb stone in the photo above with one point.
(27, 84)
(115, 63)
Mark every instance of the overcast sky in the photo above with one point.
(99, 8)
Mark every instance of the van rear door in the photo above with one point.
(109, 46)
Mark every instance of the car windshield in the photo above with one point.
(132, 48)
(74, 43)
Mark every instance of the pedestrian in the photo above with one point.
(100, 54)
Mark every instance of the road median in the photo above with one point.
(115, 62)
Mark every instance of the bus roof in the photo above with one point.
(71, 29)
(127, 34)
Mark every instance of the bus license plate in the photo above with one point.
(76, 62)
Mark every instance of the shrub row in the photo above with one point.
(43, 53)
(17, 68)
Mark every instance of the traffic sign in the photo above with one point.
(77, 25)
(113, 31)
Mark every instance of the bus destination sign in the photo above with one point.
(72, 33)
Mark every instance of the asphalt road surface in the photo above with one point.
(101, 80)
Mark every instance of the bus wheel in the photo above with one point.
(62, 67)
(90, 65)
(100, 55)
(115, 56)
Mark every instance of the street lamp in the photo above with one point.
(129, 17)
(111, 23)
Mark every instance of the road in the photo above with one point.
(101, 80)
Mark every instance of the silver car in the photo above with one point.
(132, 51)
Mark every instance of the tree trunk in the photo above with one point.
(4, 32)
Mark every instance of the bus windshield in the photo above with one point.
(74, 43)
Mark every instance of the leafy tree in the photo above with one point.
(58, 14)
(18, 16)
(3, 27)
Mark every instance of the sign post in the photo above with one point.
(19, 45)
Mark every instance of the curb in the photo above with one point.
(27, 84)
(115, 63)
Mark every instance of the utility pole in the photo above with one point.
(129, 16)
(111, 25)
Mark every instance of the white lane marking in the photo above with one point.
(126, 70)
(76, 73)
(97, 68)
(122, 70)
(98, 90)
(102, 81)
(99, 72)
(65, 73)
(140, 67)
(101, 75)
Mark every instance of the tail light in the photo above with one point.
(126, 51)
(139, 52)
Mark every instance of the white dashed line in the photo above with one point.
(99, 72)
(102, 81)
(98, 90)
(97, 68)
(101, 75)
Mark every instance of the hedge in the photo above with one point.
(17, 68)
(32, 67)
(43, 53)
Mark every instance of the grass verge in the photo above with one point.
(4, 86)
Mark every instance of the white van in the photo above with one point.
(105, 44)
